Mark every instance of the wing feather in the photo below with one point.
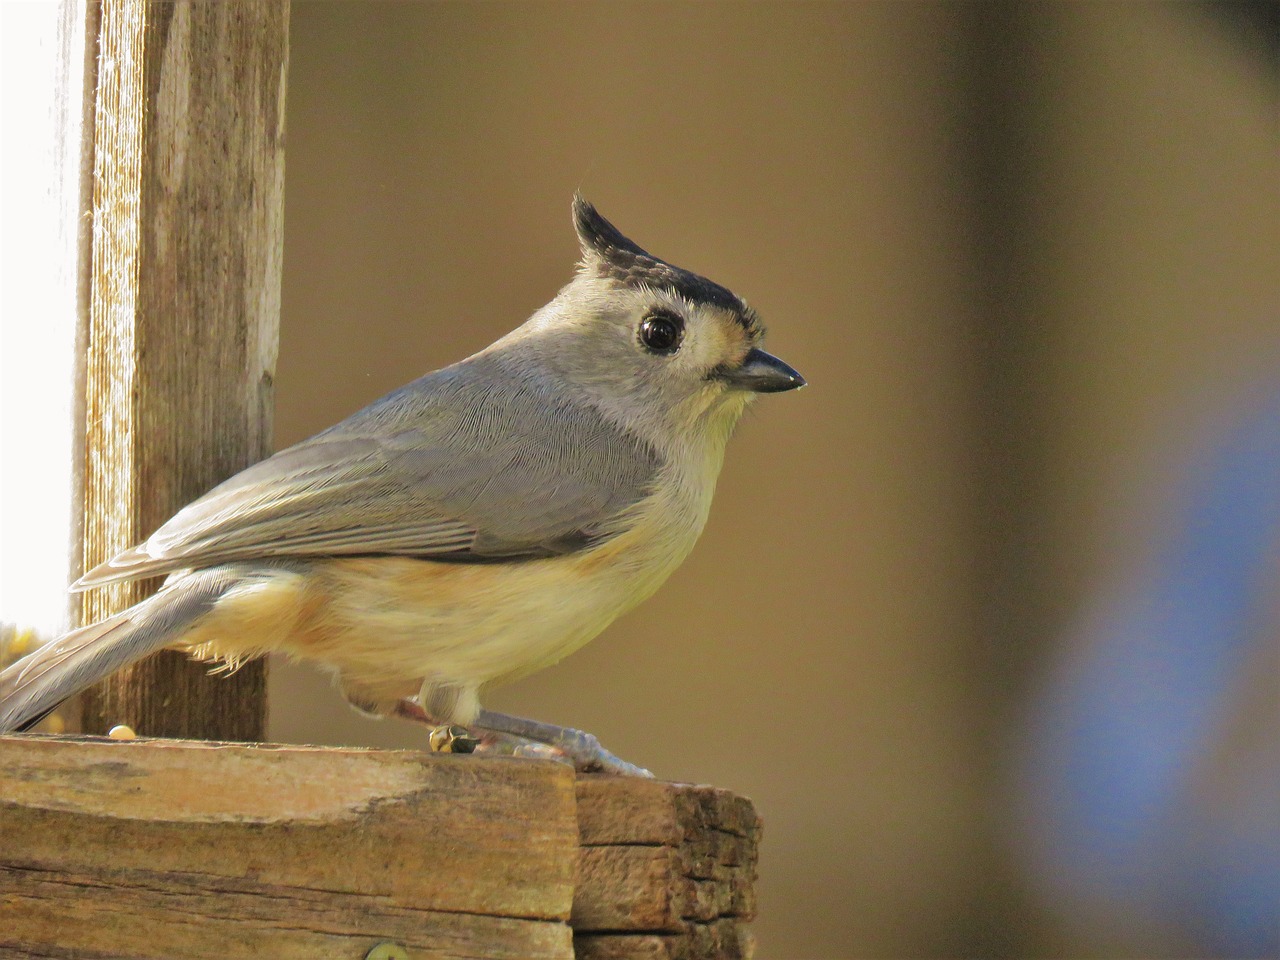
(446, 467)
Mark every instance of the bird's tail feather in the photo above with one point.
(57, 670)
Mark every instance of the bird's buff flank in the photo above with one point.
(473, 526)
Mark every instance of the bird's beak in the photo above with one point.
(762, 372)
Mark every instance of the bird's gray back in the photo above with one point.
(530, 466)
(482, 461)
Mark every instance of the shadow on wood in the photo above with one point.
(165, 849)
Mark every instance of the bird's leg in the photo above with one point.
(498, 733)
(580, 748)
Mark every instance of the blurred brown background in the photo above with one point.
(1017, 249)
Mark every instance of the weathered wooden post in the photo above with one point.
(188, 203)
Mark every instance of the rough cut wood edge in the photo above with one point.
(614, 810)
(665, 870)
(184, 308)
(175, 849)
(722, 940)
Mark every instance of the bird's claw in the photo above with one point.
(580, 751)
(499, 734)
(606, 762)
(588, 756)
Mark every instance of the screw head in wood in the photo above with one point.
(386, 950)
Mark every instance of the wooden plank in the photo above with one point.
(77, 915)
(180, 849)
(722, 940)
(184, 308)
(665, 870)
(629, 888)
(650, 888)
(159, 848)
(644, 812)
(656, 811)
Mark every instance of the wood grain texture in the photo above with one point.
(664, 870)
(722, 940)
(184, 309)
(167, 848)
(178, 849)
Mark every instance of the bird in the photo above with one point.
(465, 530)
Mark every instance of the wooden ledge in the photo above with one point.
(176, 848)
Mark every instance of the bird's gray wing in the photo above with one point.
(447, 467)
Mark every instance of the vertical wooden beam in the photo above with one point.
(184, 310)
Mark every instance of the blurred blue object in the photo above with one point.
(1153, 793)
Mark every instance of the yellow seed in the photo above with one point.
(121, 732)
(54, 723)
(386, 950)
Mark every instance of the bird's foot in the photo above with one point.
(498, 734)
(524, 737)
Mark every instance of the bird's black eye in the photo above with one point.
(662, 331)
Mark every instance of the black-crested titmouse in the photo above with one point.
(475, 525)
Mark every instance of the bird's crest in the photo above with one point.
(607, 253)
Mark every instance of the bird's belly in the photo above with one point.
(386, 624)
(468, 623)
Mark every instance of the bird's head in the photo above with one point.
(659, 348)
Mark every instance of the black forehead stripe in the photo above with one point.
(660, 275)
(652, 272)
(625, 261)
